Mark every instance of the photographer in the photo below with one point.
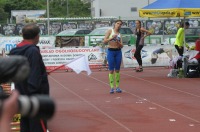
(37, 81)
(10, 107)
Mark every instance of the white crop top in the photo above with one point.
(117, 38)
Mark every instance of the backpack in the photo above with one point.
(193, 71)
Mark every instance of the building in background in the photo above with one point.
(124, 9)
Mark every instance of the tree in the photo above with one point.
(22, 5)
(3, 14)
(58, 8)
(76, 8)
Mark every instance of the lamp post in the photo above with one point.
(67, 8)
(48, 17)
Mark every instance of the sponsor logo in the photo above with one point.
(92, 57)
(160, 13)
(130, 54)
(195, 13)
(187, 13)
(44, 42)
(8, 47)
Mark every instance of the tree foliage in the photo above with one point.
(57, 8)
(3, 14)
(76, 8)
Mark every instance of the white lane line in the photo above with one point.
(95, 107)
(152, 108)
(172, 120)
(162, 85)
(196, 80)
(177, 113)
(191, 125)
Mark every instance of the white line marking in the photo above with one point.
(162, 85)
(95, 107)
(118, 98)
(191, 125)
(177, 113)
(172, 120)
(152, 108)
(138, 102)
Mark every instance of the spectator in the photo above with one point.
(37, 81)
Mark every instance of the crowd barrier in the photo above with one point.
(152, 54)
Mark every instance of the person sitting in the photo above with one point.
(191, 64)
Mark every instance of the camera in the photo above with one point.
(37, 106)
(16, 69)
(13, 69)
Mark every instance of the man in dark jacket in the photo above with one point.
(37, 81)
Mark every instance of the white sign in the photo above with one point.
(35, 13)
(8, 43)
(157, 55)
(58, 56)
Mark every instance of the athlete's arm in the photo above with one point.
(146, 31)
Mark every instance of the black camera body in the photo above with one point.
(16, 69)
(36, 106)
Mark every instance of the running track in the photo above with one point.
(150, 102)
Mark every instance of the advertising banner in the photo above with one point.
(86, 25)
(8, 43)
(8, 29)
(171, 26)
(157, 55)
(43, 29)
(26, 16)
(69, 25)
(159, 13)
(56, 57)
(55, 28)
(155, 27)
(99, 24)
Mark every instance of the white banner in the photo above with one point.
(57, 56)
(156, 55)
(35, 13)
(8, 43)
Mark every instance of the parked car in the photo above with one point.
(71, 32)
(97, 36)
(71, 37)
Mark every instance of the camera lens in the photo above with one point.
(37, 106)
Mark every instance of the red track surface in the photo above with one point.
(150, 102)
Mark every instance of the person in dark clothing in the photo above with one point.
(140, 32)
(37, 81)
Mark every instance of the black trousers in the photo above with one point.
(32, 125)
(137, 54)
(180, 51)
